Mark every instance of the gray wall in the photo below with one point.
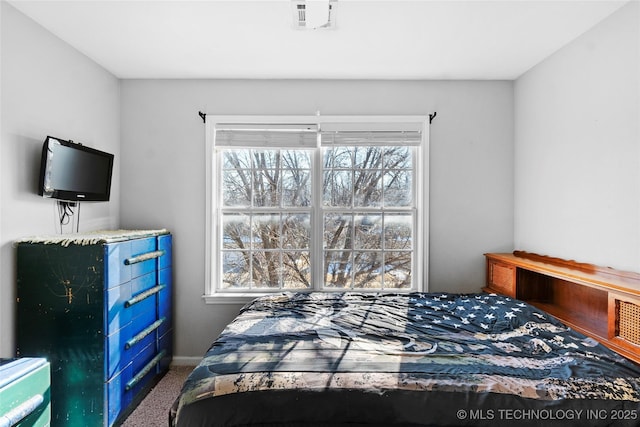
(48, 88)
(577, 148)
(163, 170)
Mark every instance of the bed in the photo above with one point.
(419, 359)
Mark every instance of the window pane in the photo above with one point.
(398, 158)
(368, 231)
(236, 233)
(337, 269)
(266, 187)
(337, 188)
(296, 271)
(367, 269)
(367, 157)
(398, 266)
(337, 158)
(236, 177)
(338, 231)
(266, 231)
(397, 187)
(266, 159)
(236, 187)
(398, 231)
(235, 269)
(296, 231)
(296, 159)
(236, 159)
(266, 269)
(367, 187)
(296, 187)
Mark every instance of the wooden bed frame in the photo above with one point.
(600, 302)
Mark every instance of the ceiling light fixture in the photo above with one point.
(314, 14)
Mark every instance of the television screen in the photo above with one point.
(74, 172)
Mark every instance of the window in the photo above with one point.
(311, 203)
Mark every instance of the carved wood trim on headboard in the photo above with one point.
(587, 268)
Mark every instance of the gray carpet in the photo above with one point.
(153, 411)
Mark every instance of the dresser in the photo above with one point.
(98, 307)
(600, 302)
(24, 392)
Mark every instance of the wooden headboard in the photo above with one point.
(600, 302)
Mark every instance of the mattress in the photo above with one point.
(418, 359)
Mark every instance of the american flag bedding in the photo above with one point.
(418, 359)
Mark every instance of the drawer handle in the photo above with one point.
(143, 295)
(146, 331)
(20, 412)
(147, 368)
(143, 257)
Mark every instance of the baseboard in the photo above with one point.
(185, 361)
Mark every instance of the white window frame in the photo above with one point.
(214, 295)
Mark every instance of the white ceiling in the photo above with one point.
(450, 39)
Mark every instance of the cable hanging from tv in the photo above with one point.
(66, 212)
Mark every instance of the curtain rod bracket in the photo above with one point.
(432, 116)
(203, 116)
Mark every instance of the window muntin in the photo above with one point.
(343, 213)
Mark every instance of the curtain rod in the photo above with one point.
(203, 116)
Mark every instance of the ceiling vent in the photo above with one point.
(314, 14)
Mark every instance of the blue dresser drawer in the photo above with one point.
(144, 294)
(127, 300)
(144, 256)
(123, 387)
(126, 344)
(118, 316)
(116, 272)
(130, 259)
(144, 356)
(132, 380)
(145, 367)
(117, 397)
(115, 343)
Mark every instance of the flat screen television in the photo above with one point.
(74, 172)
